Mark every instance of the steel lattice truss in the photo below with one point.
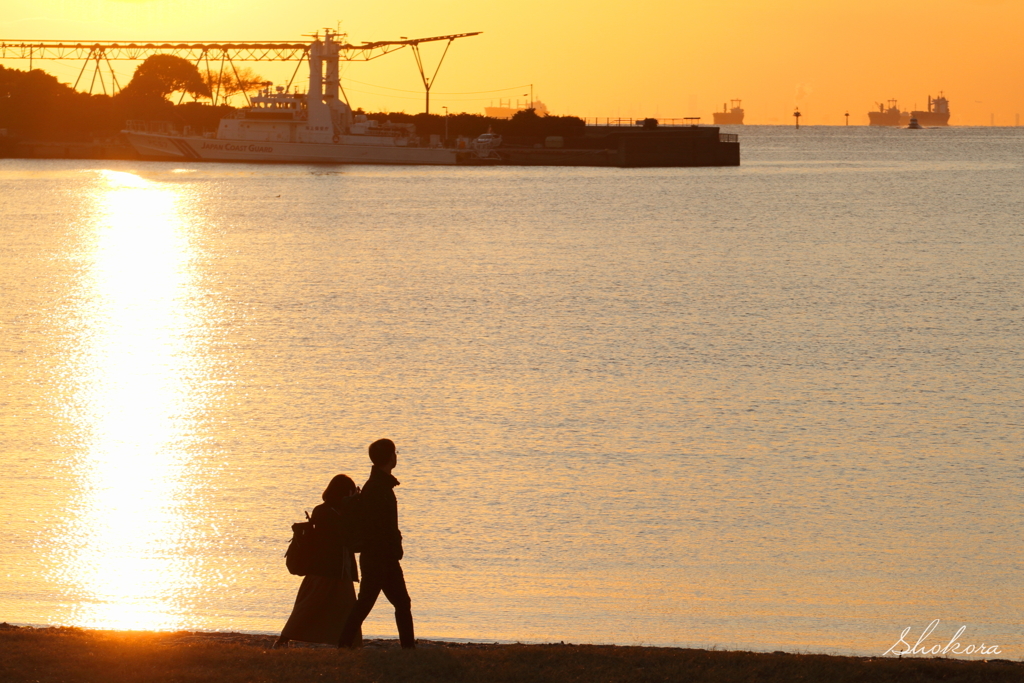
(219, 53)
(271, 51)
(253, 52)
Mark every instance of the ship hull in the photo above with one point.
(728, 118)
(878, 118)
(347, 151)
(931, 118)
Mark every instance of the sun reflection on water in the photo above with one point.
(132, 401)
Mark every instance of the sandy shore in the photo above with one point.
(49, 655)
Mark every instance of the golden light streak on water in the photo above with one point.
(130, 401)
(773, 407)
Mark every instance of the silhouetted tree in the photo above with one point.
(524, 128)
(145, 96)
(35, 105)
(526, 124)
(160, 75)
(246, 81)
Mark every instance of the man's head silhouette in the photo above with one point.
(383, 454)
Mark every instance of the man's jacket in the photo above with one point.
(382, 539)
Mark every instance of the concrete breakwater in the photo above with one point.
(38, 149)
(622, 146)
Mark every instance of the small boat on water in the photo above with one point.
(281, 126)
(914, 125)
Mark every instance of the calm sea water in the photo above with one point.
(774, 407)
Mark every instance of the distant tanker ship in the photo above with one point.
(937, 114)
(728, 117)
(886, 116)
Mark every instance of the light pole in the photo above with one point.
(445, 125)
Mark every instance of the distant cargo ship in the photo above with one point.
(937, 114)
(886, 116)
(730, 117)
(507, 111)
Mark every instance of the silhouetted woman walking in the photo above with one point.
(326, 595)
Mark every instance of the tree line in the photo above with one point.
(34, 105)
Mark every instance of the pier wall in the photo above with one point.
(27, 149)
(626, 147)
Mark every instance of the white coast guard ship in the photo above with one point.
(290, 127)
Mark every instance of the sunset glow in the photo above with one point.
(130, 375)
(599, 60)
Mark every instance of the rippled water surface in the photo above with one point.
(774, 407)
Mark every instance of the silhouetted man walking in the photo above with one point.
(382, 548)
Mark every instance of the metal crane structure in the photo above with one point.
(216, 57)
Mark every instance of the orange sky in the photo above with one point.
(593, 58)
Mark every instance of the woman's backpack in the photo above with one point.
(303, 549)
